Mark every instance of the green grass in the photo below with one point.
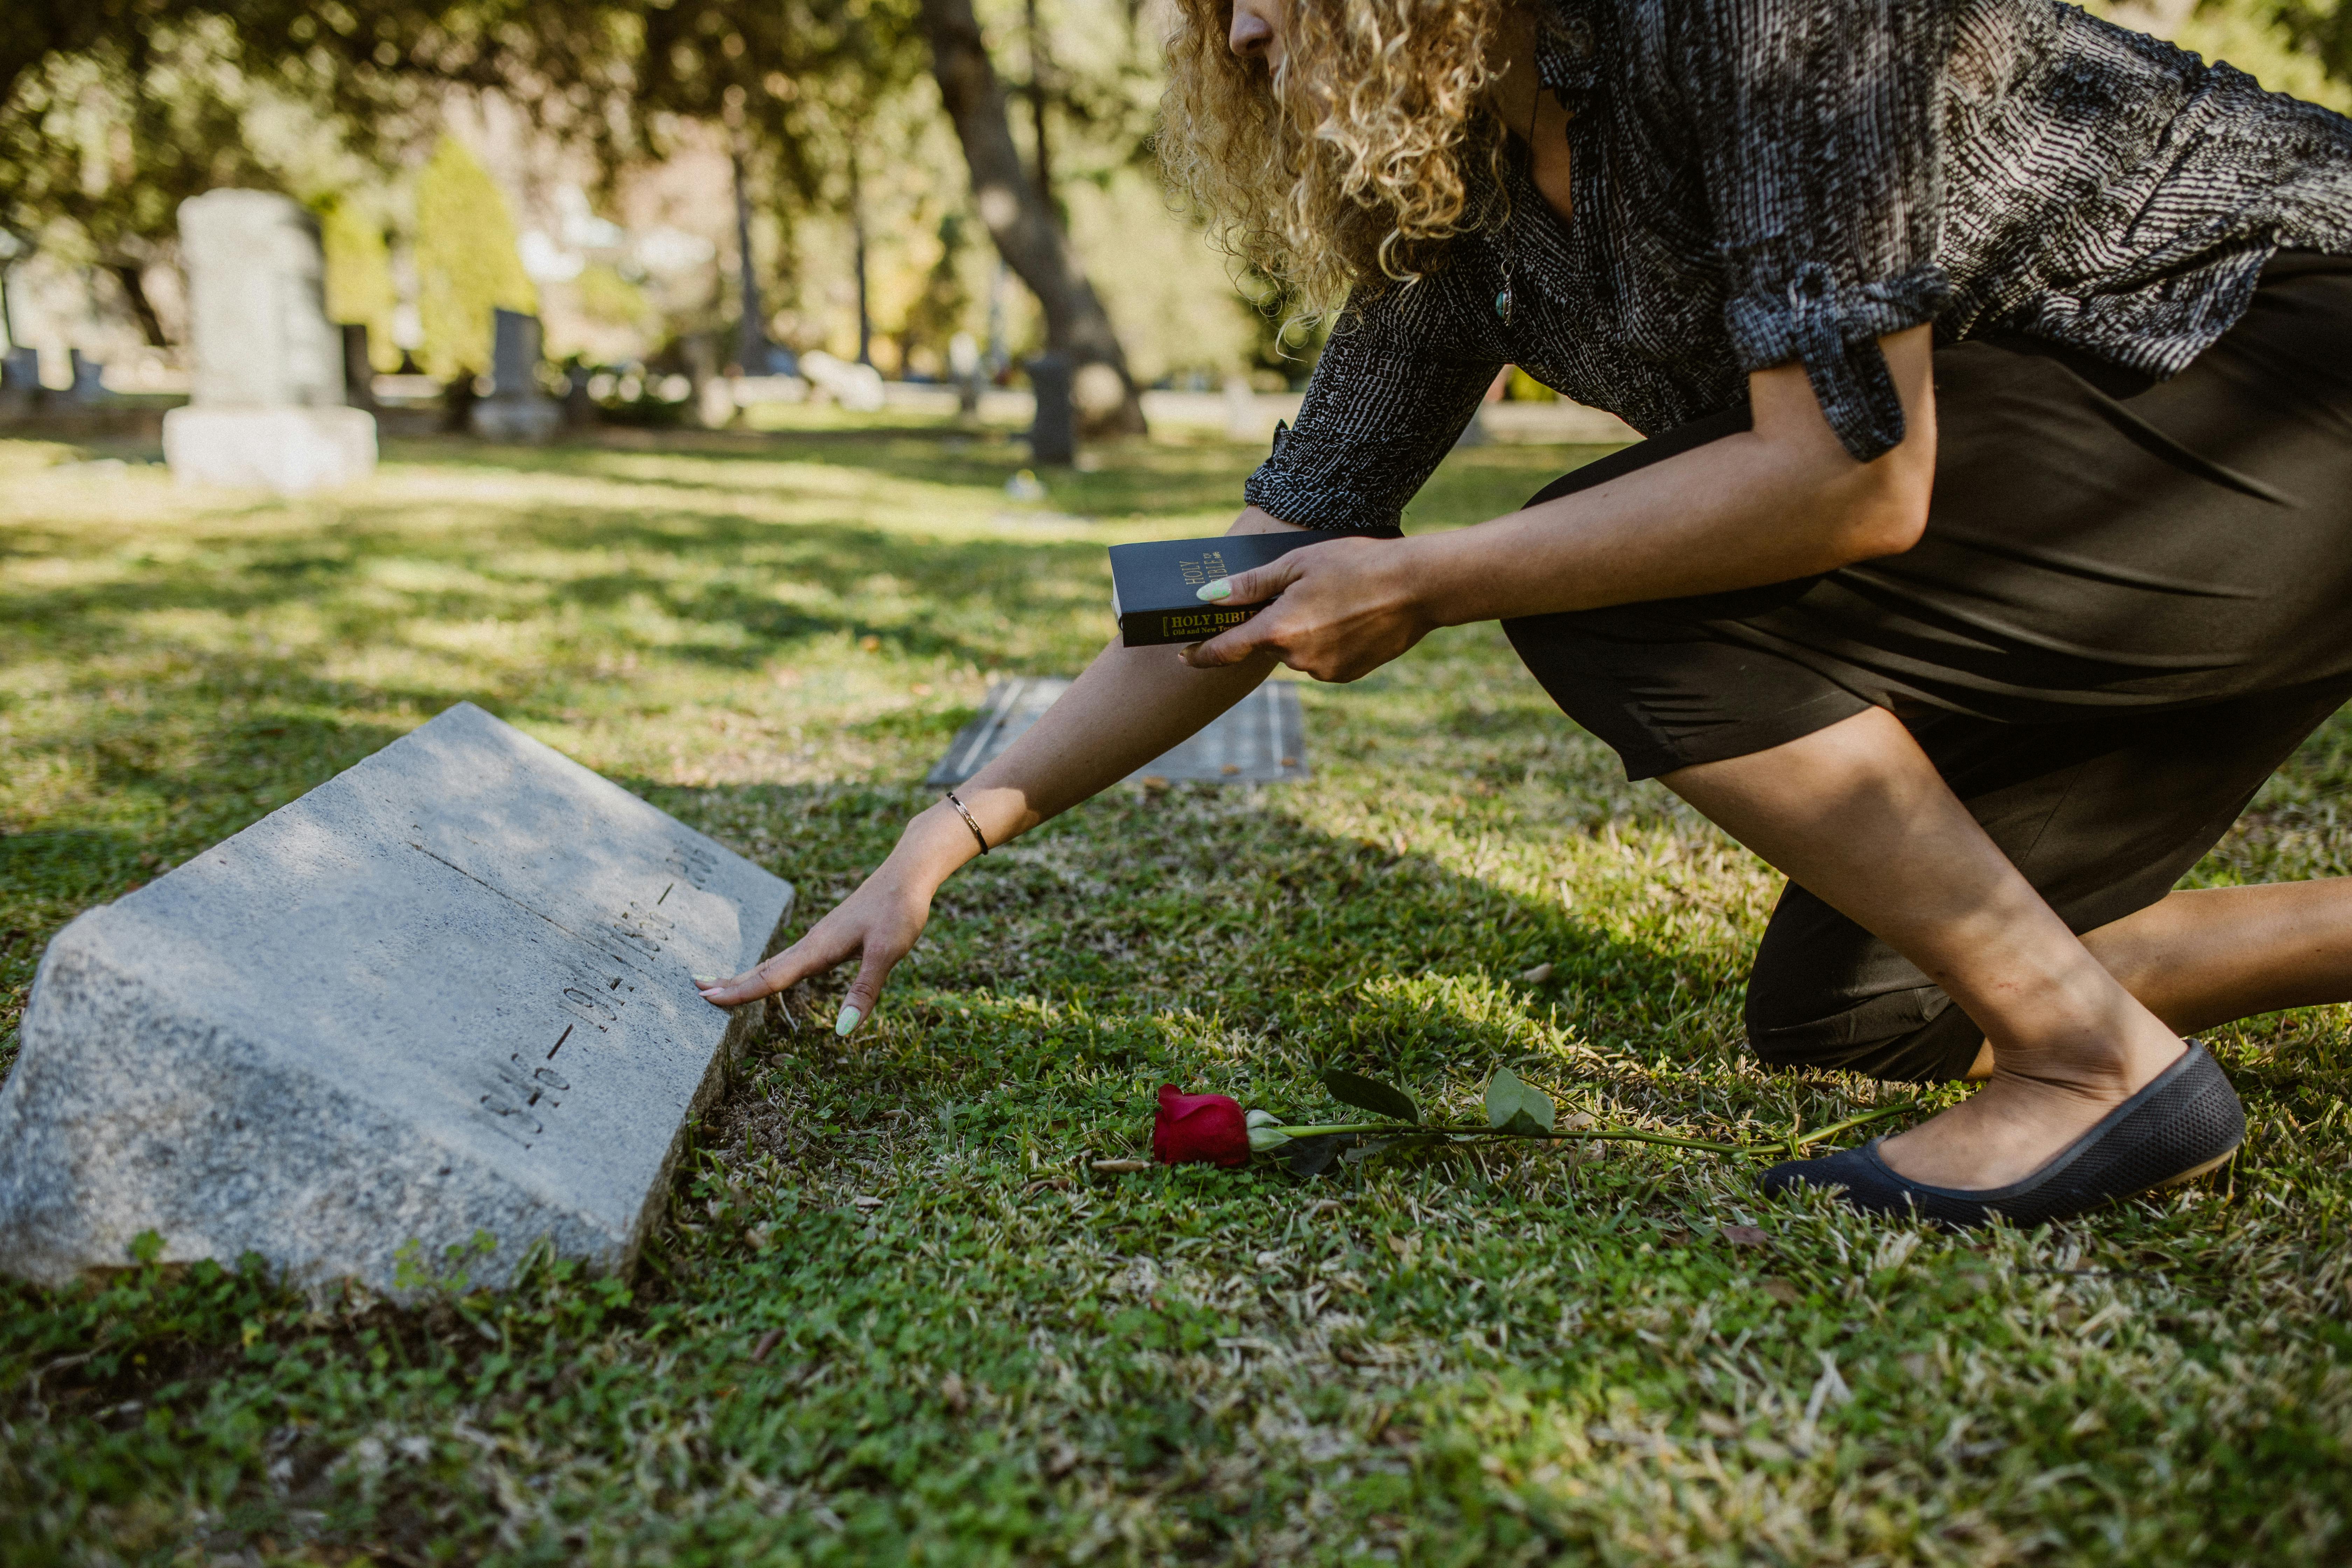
(1482, 1357)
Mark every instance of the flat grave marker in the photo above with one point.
(1262, 739)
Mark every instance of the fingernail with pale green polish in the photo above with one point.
(847, 1021)
(705, 981)
(1223, 588)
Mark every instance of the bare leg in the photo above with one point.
(1857, 815)
(2217, 955)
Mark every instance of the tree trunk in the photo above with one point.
(1018, 218)
(751, 326)
(857, 256)
(134, 293)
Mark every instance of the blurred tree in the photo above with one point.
(467, 262)
(2323, 28)
(1022, 219)
(939, 313)
(175, 82)
(359, 275)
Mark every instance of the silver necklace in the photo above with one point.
(1503, 301)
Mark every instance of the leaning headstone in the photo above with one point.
(267, 406)
(1262, 739)
(448, 993)
(516, 409)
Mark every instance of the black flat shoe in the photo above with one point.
(2186, 1121)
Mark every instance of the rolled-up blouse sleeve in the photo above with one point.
(1820, 125)
(1392, 392)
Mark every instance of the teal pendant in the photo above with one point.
(1503, 303)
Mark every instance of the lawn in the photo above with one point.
(896, 1315)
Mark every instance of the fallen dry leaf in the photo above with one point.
(1115, 1167)
(1536, 976)
(952, 1395)
(1745, 1236)
(767, 1343)
(1783, 1292)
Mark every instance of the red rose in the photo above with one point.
(1199, 1127)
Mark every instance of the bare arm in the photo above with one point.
(1780, 500)
(1131, 705)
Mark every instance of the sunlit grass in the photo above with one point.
(1499, 1356)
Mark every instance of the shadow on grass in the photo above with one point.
(1180, 924)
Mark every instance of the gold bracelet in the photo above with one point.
(965, 812)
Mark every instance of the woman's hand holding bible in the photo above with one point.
(1347, 606)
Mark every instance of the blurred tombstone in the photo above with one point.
(89, 377)
(856, 387)
(20, 383)
(359, 370)
(1241, 409)
(266, 407)
(714, 400)
(964, 367)
(1053, 438)
(516, 409)
(580, 410)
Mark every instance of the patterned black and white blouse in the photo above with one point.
(1757, 182)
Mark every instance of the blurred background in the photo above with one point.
(712, 207)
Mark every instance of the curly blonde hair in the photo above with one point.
(1375, 145)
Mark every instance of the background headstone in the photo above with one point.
(1054, 437)
(20, 383)
(359, 367)
(963, 369)
(448, 991)
(266, 407)
(1262, 739)
(89, 378)
(580, 410)
(516, 409)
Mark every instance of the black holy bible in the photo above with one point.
(1155, 589)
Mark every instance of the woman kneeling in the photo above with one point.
(1990, 548)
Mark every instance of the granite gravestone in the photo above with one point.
(516, 409)
(20, 383)
(1262, 739)
(266, 407)
(447, 992)
(89, 377)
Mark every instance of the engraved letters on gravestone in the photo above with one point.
(447, 992)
